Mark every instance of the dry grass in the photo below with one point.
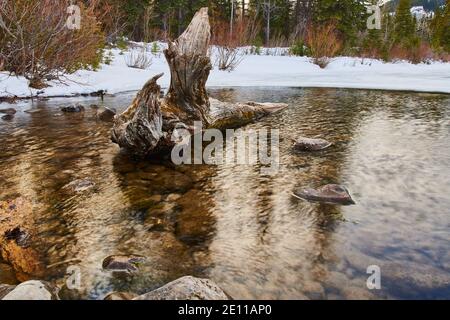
(323, 43)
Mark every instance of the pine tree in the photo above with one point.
(404, 25)
(349, 15)
(440, 28)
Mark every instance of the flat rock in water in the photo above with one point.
(127, 263)
(330, 193)
(73, 108)
(187, 288)
(80, 185)
(309, 144)
(33, 290)
(8, 117)
(106, 114)
(8, 111)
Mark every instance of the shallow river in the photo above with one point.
(229, 223)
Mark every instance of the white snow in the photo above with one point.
(254, 70)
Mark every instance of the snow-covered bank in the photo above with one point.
(255, 70)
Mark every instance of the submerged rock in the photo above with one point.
(106, 114)
(127, 263)
(120, 296)
(16, 238)
(8, 117)
(330, 193)
(33, 290)
(8, 111)
(73, 108)
(187, 288)
(309, 144)
(80, 185)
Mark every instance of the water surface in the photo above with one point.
(232, 224)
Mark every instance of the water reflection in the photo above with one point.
(232, 224)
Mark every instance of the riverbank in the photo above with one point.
(254, 70)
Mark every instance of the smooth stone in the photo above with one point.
(8, 117)
(309, 144)
(120, 296)
(106, 114)
(187, 288)
(33, 290)
(330, 193)
(126, 263)
(73, 108)
(8, 111)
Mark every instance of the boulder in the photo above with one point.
(309, 144)
(187, 288)
(106, 114)
(8, 117)
(330, 193)
(73, 108)
(33, 290)
(127, 263)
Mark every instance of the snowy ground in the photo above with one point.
(254, 70)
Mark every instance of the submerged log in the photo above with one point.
(146, 126)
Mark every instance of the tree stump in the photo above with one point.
(146, 126)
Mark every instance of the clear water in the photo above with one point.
(233, 225)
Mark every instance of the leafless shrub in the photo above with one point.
(138, 58)
(228, 58)
(323, 43)
(36, 43)
(227, 41)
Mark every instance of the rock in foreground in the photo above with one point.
(106, 114)
(309, 144)
(33, 290)
(330, 193)
(187, 288)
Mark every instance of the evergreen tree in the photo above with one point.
(404, 25)
(349, 15)
(440, 28)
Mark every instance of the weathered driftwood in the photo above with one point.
(146, 126)
(139, 128)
